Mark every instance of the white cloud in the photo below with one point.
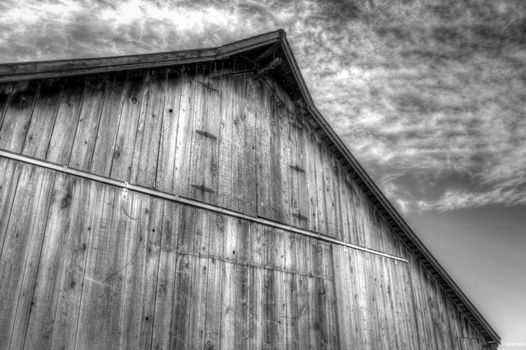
(429, 92)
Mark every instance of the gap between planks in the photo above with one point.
(183, 200)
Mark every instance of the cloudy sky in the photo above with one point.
(429, 95)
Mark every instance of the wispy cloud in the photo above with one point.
(429, 95)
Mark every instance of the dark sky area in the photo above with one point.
(429, 95)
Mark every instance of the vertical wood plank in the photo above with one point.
(8, 188)
(163, 322)
(291, 283)
(320, 185)
(98, 89)
(128, 134)
(120, 324)
(65, 126)
(359, 211)
(238, 138)
(6, 89)
(281, 289)
(321, 296)
(410, 303)
(72, 279)
(455, 325)
(263, 155)
(214, 295)
(100, 263)
(182, 283)
(258, 254)
(248, 114)
(21, 253)
(394, 322)
(146, 153)
(168, 143)
(303, 304)
(269, 300)
(213, 125)
(50, 266)
(103, 152)
(202, 178)
(344, 298)
(43, 119)
(185, 134)
(345, 207)
(12, 250)
(18, 115)
(330, 299)
(336, 180)
(315, 312)
(285, 160)
(365, 320)
(140, 272)
(237, 120)
(398, 300)
(150, 271)
(228, 321)
(310, 174)
(330, 200)
(195, 164)
(197, 298)
(225, 175)
(300, 185)
(242, 285)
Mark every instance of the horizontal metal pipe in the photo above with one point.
(192, 202)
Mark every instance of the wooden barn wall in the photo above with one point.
(136, 272)
(227, 140)
(83, 265)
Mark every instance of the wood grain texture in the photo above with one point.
(140, 272)
(72, 281)
(5, 95)
(227, 140)
(17, 115)
(50, 265)
(65, 125)
(108, 126)
(97, 90)
(37, 140)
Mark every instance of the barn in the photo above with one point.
(198, 200)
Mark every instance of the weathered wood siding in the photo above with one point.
(84, 265)
(228, 141)
(133, 271)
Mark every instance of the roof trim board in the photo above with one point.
(10, 72)
(49, 69)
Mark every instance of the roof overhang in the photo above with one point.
(263, 44)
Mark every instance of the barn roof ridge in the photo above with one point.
(262, 43)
